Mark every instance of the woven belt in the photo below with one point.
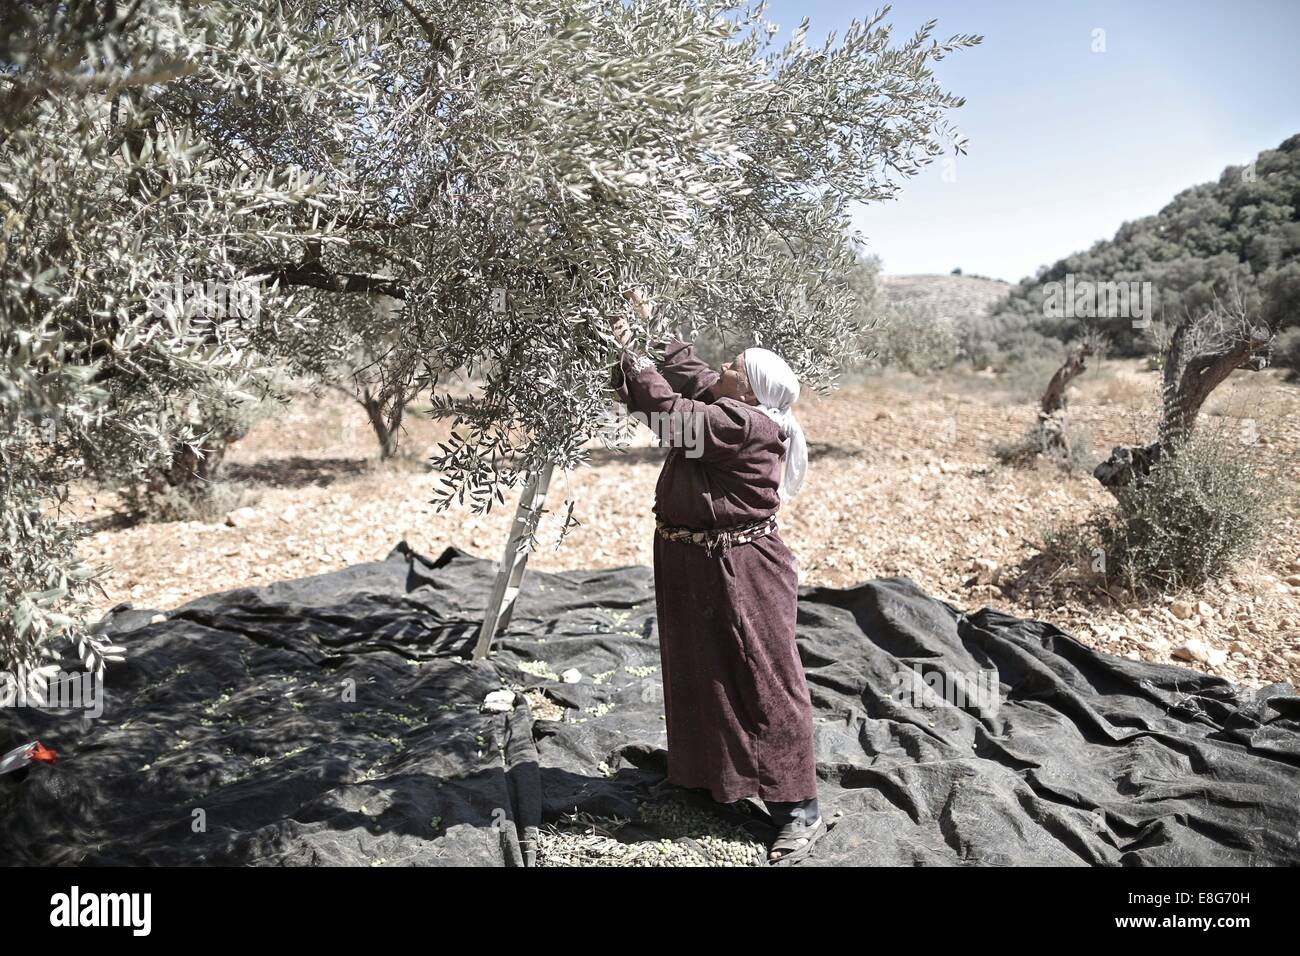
(717, 540)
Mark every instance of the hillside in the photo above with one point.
(1240, 232)
(951, 297)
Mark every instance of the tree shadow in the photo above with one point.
(651, 454)
(1053, 576)
(297, 471)
(818, 450)
(640, 455)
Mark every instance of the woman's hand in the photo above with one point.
(622, 331)
(619, 327)
(644, 307)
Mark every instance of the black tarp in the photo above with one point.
(229, 735)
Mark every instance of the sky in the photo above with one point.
(1065, 143)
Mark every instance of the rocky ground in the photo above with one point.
(902, 482)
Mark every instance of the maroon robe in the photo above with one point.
(735, 697)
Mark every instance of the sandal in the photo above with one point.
(795, 841)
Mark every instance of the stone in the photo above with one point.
(1192, 651)
(241, 517)
(987, 570)
(1202, 652)
(498, 702)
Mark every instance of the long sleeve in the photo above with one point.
(686, 373)
(708, 431)
(619, 380)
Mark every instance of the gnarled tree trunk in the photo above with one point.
(385, 414)
(1053, 432)
(1186, 387)
(1054, 399)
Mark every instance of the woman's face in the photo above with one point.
(734, 382)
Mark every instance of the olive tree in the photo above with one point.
(523, 166)
(503, 172)
(112, 198)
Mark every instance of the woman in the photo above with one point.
(736, 701)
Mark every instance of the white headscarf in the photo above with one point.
(776, 387)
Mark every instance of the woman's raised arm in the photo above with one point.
(686, 372)
(704, 430)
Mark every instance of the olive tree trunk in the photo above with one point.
(1187, 384)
